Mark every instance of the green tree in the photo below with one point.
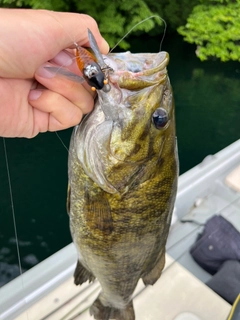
(214, 27)
(175, 12)
(117, 17)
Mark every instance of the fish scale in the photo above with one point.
(123, 172)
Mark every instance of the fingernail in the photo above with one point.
(44, 72)
(34, 94)
(63, 59)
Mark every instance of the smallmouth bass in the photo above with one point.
(123, 171)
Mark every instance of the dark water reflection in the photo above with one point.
(207, 99)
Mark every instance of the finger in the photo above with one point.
(52, 111)
(73, 91)
(66, 59)
(79, 32)
(42, 35)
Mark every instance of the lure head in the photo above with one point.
(95, 77)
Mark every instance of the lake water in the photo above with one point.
(207, 98)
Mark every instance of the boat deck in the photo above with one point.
(178, 295)
(221, 197)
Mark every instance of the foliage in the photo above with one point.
(115, 18)
(214, 27)
(57, 5)
(175, 12)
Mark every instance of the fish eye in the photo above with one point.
(160, 118)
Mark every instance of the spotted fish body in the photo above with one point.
(123, 171)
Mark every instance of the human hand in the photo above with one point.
(32, 99)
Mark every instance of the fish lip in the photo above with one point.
(150, 62)
(152, 70)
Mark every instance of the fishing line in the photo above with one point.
(14, 217)
(12, 206)
(75, 77)
(164, 33)
(137, 24)
(76, 45)
(61, 141)
(140, 22)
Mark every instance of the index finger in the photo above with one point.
(75, 26)
(38, 36)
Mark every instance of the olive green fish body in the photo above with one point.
(123, 173)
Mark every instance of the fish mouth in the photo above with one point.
(136, 71)
(130, 74)
(147, 63)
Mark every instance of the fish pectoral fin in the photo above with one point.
(99, 215)
(82, 275)
(155, 273)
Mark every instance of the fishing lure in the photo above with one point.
(90, 62)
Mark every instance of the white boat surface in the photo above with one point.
(47, 292)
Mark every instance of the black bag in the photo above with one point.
(219, 242)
